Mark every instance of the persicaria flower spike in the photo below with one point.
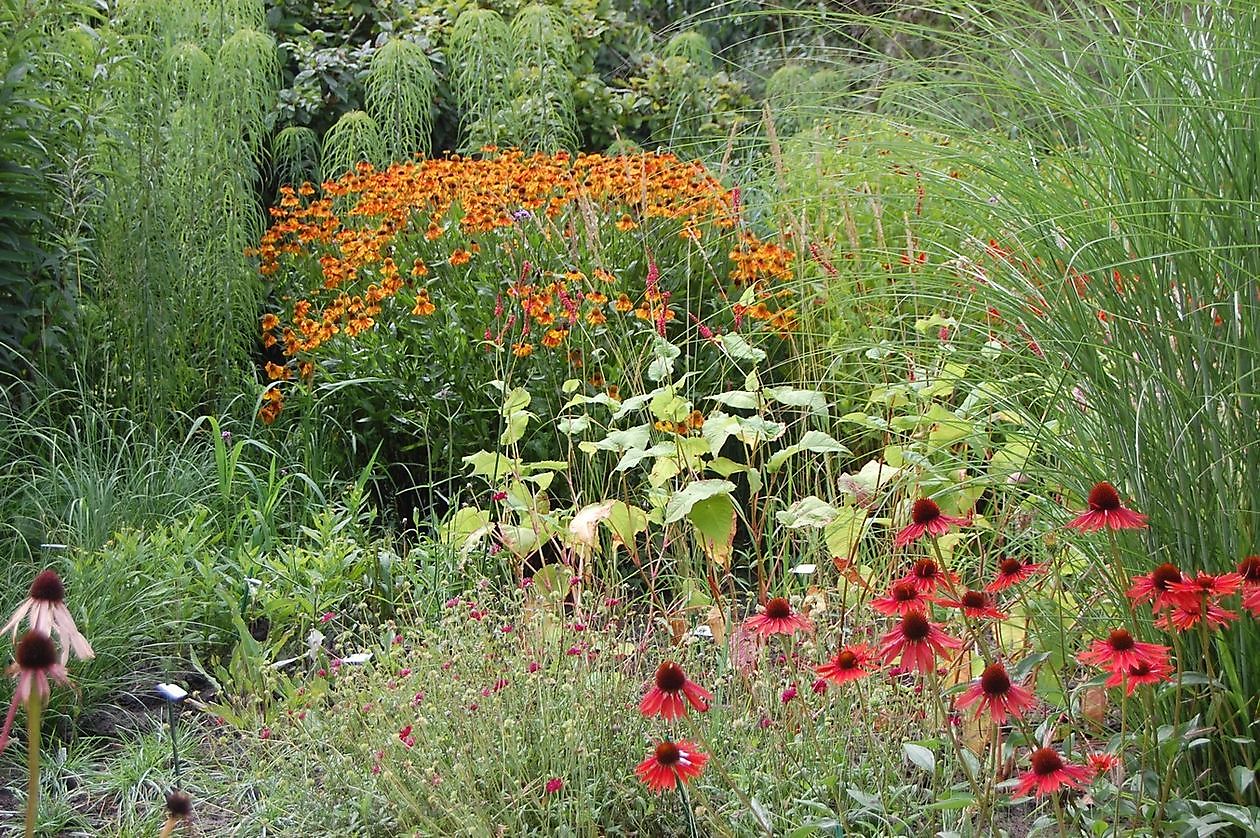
(994, 692)
(36, 662)
(926, 518)
(672, 692)
(1106, 512)
(917, 641)
(45, 610)
(1048, 773)
(851, 663)
(777, 618)
(670, 763)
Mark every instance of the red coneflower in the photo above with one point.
(1251, 600)
(995, 692)
(1155, 587)
(926, 518)
(1049, 773)
(1120, 652)
(917, 641)
(850, 664)
(777, 618)
(1106, 512)
(671, 693)
(45, 609)
(903, 596)
(670, 763)
(1249, 570)
(926, 575)
(1012, 572)
(1205, 587)
(1102, 764)
(1136, 676)
(1186, 615)
(35, 662)
(976, 604)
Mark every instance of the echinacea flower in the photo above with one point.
(672, 692)
(178, 810)
(1251, 599)
(851, 663)
(1156, 586)
(1249, 570)
(926, 518)
(45, 610)
(35, 662)
(777, 618)
(926, 575)
(995, 692)
(1205, 587)
(1120, 652)
(1136, 676)
(1049, 773)
(917, 642)
(1102, 764)
(975, 604)
(1012, 572)
(1106, 512)
(903, 596)
(1184, 616)
(671, 763)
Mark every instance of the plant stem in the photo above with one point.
(33, 708)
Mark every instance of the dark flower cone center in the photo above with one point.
(975, 599)
(670, 677)
(1250, 569)
(925, 569)
(1140, 671)
(924, 511)
(1120, 640)
(846, 660)
(902, 592)
(667, 753)
(778, 609)
(1045, 762)
(994, 680)
(35, 651)
(178, 805)
(48, 588)
(1011, 567)
(1104, 498)
(915, 627)
(1165, 575)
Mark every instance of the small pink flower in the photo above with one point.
(788, 694)
(404, 672)
(327, 616)
(417, 699)
(820, 686)
(265, 733)
(553, 785)
(508, 629)
(533, 667)
(405, 736)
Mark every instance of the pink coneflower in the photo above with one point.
(1120, 652)
(1251, 600)
(976, 604)
(917, 642)
(1012, 572)
(45, 609)
(1049, 773)
(1249, 570)
(777, 618)
(851, 663)
(1100, 765)
(671, 693)
(995, 692)
(670, 763)
(903, 596)
(1205, 587)
(926, 575)
(1136, 676)
(1184, 616)
(926, 518)
(1106, 512)
(35, 662)
(1156, 586)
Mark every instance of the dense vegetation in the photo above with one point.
(630, 417)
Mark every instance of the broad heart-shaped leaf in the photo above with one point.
(517, 400)
(754, 430)
(718, 428)
(662, 365)
(844, 531)
(515, 427)
(812, 400)
(920, 756)
(626, 522)
(948, 428)
(741, 350)
(491, 465)
(868, 479)
(807, 512)
(813, 441)
(570, 425)
(585, 522)
(465, 528)
(742, 399)
(714, 519)
(680, 502)
(634, 456)
(668, 406)
(521, 540)
(626, 440)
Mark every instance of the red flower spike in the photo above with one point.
(777, 618)
(672, 692)
(994, 692)
(1048, 773)
(917, 642)
(1012, 572)
(852, 663)
(926, 518)
(1106, 512)
(670, 763)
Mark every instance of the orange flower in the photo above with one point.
(424, 306)
(625, 224)
(623, 303)
(554, 337)
(275, 372)
(522, 350)
(269, 322)
(460, 257)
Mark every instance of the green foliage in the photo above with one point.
(356, 138)
(543, 51)
(482, 77)
(401, 84)
(295, 152)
